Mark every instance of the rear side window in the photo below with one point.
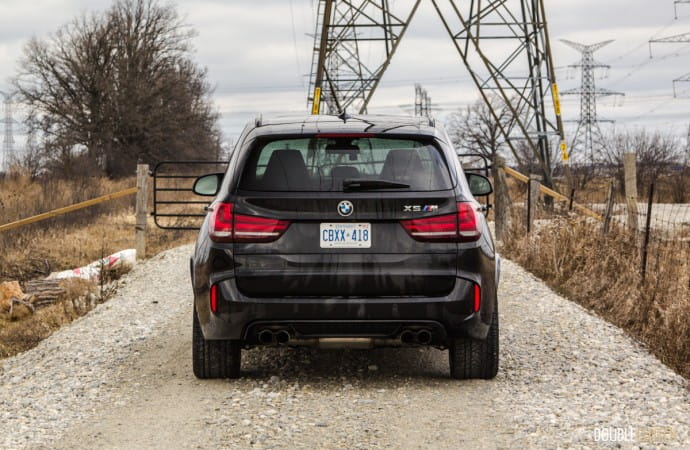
(323, 164)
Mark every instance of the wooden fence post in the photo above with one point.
(502, 201)
(630, 167)
(533, 188)
(648, 227)
(610, 197)
(142, 209)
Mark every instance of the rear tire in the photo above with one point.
(214, 359)
(475, 358)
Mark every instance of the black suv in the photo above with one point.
(344, 232)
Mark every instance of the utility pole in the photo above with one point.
(588, 138)
(422, 102)
(677, 39)
(7, 156)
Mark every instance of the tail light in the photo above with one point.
(459, 227)
(214, 298)
(226, 226)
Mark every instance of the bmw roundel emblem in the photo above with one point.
(345, 208)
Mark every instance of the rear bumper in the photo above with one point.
(241, 317)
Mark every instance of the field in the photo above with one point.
(63, 243)
(603, 271)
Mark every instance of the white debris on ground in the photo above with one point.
(125, 260)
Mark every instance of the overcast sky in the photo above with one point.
(258, 54)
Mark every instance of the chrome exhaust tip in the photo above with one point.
(407, 337)
(424, 337)
(265, 337)
(282, 337)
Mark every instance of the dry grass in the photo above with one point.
(20, 333)
(73, 240)
(603, 274)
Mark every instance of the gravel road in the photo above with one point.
(121, 377)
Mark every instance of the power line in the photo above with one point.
(644, 43)
(647, 61)
(651, 111)
(244, 87)
(294, 44)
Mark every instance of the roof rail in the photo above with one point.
(258, 120)
(432, 122)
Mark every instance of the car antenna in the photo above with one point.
(344, 116)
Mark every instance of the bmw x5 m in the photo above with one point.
(344, 232)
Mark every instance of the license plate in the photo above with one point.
(345, 235)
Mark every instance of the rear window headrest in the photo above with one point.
(286, 169)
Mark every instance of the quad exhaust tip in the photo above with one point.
(282, 337)
(266, 337)
(424, 337)
(408, 337)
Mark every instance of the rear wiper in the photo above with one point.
(363, 184)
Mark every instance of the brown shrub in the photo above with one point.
(603, 274)
(73, 240)
(17, 336)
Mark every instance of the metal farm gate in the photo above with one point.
(175, 206)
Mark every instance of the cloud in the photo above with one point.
(259, 54)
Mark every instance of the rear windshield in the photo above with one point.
(324, 164)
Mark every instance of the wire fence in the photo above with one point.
(656, 233)
(624, 256)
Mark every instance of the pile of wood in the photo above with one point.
(44, 292)
(15, 302)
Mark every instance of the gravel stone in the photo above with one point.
(121, 377)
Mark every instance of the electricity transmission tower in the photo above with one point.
(341, 78)
(677, 39)
(422, 102)
(588, 138)
(7, 156)
(519, 71)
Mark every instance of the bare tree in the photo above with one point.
(680, 187)
(657, 154)
(474, 129)
(115, 87)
